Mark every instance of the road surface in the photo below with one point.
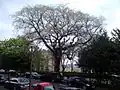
(2, 88)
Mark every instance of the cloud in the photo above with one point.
(110, 9)
(83, 5)
(117, 17)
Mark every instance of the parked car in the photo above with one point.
(70, 88)
(43, 86)
(2, 79)
(34, 75)
(18, 83)
(66, 87)
(65, 80)
(2, 71)
(79, 82)
(50, 77)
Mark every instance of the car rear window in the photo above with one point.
(49, 88)
(23, 80)
(14, 80)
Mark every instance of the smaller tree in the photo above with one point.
(98, 55)
(41, 60)
(115, 66)
(116, 36)
(14, 53)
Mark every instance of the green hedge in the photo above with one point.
(69, 74)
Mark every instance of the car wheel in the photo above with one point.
(84, 88)
(14, 88)
(69, 84)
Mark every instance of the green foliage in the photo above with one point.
(103, 54)
(14, 53)
(116, 36)
(116, 40)
(100, 55)
(14, 46)
(39, 61)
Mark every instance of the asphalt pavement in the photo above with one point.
(2, 88)
(33, 81)
(56, 86)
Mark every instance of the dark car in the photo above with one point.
(17, 83)
(79, 82)
(65, 80)
(66, 87)
(34, 75)
(2, 79)
(51, 77)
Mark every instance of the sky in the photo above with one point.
(110, 9)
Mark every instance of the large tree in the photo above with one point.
(57, 27)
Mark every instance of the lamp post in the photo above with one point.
(31, 54)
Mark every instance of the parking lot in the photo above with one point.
(57, 86)
(75, 82)
(2, 88)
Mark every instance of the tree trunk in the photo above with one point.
(47, 65)
(63, 68)
(71, 66)
(57, 63)
(57, 59)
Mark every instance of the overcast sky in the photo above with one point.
(110, 9)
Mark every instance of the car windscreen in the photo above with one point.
(35, 74)
(14, 81)
(49, 88)
(22, 80)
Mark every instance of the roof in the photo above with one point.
(45, 84)
(2, 70)
(14, 79)
(17, 78)
(11, 70)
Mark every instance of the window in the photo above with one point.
(23, 80)
(49, 88)
(14, 80)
